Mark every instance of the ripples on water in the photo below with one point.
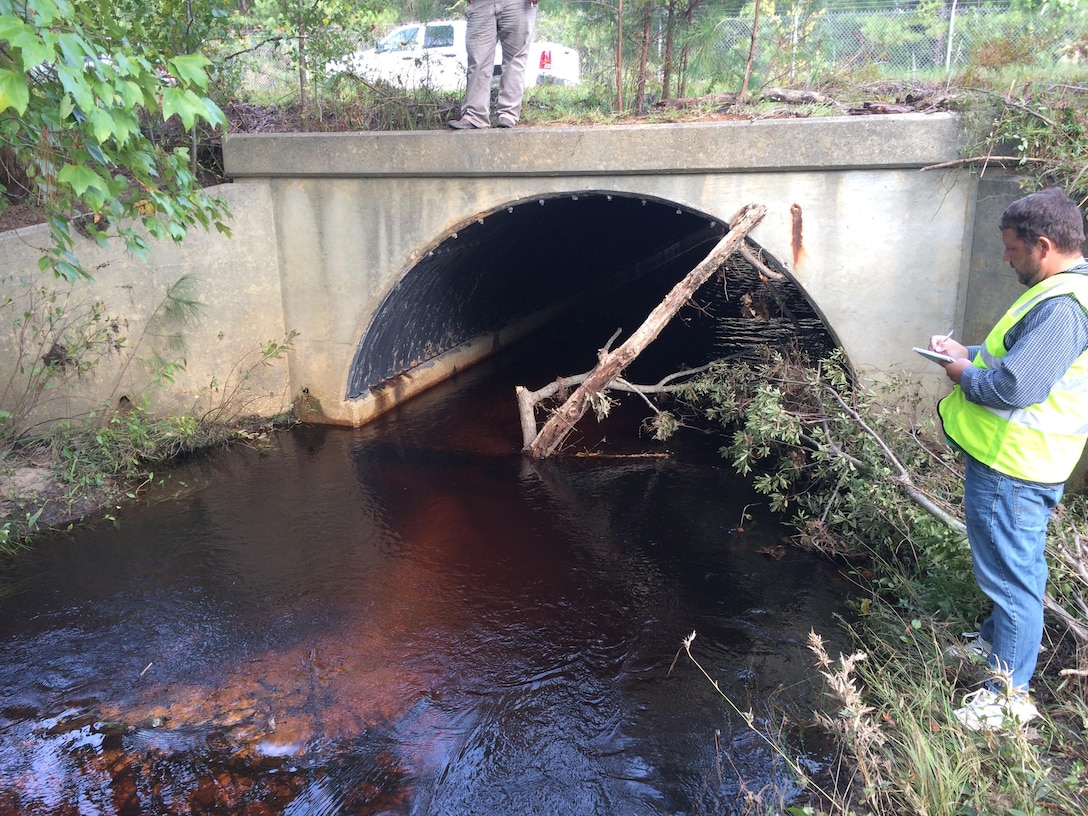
(409, 619)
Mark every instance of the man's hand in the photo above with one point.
(955, 369)
(946, 345)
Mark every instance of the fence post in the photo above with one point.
(793, 40)
(951, 34)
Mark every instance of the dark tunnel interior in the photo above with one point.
(550, 253)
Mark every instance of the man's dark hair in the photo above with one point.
(1048, 213)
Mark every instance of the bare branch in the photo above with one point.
(985, 159)
(903, 478)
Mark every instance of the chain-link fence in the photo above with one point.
(794, 48)
(899, 41)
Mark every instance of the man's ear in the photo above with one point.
(1044, 246)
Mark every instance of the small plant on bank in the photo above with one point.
(1036, 127)
(56, 335)
(61, 338)
(226, 400)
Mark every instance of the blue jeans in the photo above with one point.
(1006, 527)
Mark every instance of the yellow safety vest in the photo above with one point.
(1040, 443)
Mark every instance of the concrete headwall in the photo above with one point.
(235, 280)
(326, 225)
(878, 246)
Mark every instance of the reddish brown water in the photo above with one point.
(411, 619)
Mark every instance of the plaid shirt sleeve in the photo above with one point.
(1041, 347)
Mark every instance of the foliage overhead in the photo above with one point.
(78, 104)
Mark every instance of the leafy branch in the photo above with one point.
(75, 97)
(864, 482)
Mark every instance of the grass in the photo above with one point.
(901, 751)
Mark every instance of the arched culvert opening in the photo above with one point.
(545, 256)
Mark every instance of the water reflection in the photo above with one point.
(412, 619)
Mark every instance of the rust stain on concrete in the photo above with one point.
(797, 240)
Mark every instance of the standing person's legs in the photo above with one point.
(480, 44)
(516, 22)
(1006, 524)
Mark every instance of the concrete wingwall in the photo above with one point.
(325, 225)
(236, 282)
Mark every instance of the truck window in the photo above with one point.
(438, 36)
(403, 39)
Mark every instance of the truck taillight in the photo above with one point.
(545, 61)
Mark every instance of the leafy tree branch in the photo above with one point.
(77, 101)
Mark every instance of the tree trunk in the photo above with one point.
(751, 56)
(682, 75)
(612, 364)
(303, 91)
(643, 60)
(667, 63)
(619, 56)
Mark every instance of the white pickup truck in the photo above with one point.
(433, 55)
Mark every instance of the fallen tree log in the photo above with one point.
(728, 98)
(611, 364)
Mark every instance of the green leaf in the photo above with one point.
(25, 40)
(101, 123)
(67, 106)
(131, 93)
(49, 11)
(81, 179)
(11, 28)
(73, 81)
(185, 104)
(69, 272)
(14, 92)
(191, 69)
(125, 125)
(214, 114)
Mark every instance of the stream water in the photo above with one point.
(411, 618)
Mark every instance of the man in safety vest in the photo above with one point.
(1019, 413)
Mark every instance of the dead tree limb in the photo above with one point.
(1002, 160)
(1075, 625)
(612, 364)
(528, 400)
(757, 262)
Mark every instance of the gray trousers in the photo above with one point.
(511, 23)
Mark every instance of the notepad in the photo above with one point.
(935, 356)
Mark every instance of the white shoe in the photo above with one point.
(977, 645)
(974, 647)
(986, 710)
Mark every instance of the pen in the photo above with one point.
(948, 336)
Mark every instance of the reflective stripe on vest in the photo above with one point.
(1040, 443)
